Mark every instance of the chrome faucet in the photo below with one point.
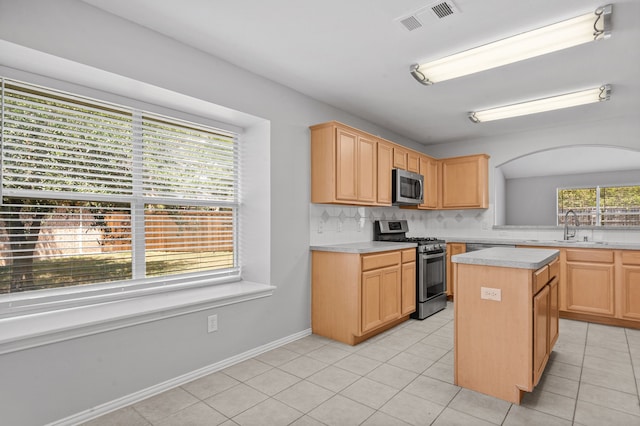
(576, 222)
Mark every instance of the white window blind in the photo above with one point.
(94, 192)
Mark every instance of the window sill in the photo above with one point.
(28, 331)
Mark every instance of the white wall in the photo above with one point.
(50, 382)
(532, 201)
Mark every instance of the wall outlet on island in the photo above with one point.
(488, 293)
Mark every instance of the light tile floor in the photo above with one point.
(404, 377)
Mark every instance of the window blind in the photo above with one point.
(94, 192)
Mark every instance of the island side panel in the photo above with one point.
(335, 286)
(493, 339)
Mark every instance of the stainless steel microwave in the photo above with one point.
(407, 188)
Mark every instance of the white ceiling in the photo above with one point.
(355, 55)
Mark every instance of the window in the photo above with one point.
(94, 192)
(601, 205)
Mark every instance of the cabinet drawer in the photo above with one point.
(408, 255)
(540, 278)
(590, 255)
(631, 257)
(554, 269)
(380, 260)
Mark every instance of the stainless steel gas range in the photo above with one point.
(431, 259)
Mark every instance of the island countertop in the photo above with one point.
(523, 258)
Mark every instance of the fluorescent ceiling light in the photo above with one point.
(597, 94)
(565, 34)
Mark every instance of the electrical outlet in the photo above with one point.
(488, 293)
(212, 323)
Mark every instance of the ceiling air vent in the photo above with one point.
(442, 10)
(411, 23)
(438, 10)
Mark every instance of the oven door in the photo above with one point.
(431, 275)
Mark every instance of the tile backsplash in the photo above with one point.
(335, 224)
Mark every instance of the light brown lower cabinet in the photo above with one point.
(590, 281)
(408, 305)
(452, 249)
(600, 285)
(502, 346)
(381, 296)
(356, 296)
(629, 300)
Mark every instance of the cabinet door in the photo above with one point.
(452, 248)
(399, 158)
(589, 288)
(429, 169)
(465, 182)
(391, 298)
(381, 295)
(371, 291)
(413, 162)
(346, 165)
(554, 313)
(367, 167)
(540, 332)
(385, 165)
(630, 292)
(408, 288)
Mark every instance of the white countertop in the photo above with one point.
(523, 258)
(364, 247)
(547, 243)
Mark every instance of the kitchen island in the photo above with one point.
(506, 319)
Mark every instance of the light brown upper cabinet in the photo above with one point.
(429, 168)
(344, 166)
(349, 166)
(465, 182)
(413, 162)
(385, 165)
(406, 159)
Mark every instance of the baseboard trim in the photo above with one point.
(135, 397)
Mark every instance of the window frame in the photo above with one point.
(53, 299)
(598, 205)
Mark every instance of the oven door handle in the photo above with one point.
(432, 255)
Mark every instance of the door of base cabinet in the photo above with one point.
(408, 288)
(381, 295)
(554, 313)
(540, 332)
(630, 292)
(452, 249)
(590, 288)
